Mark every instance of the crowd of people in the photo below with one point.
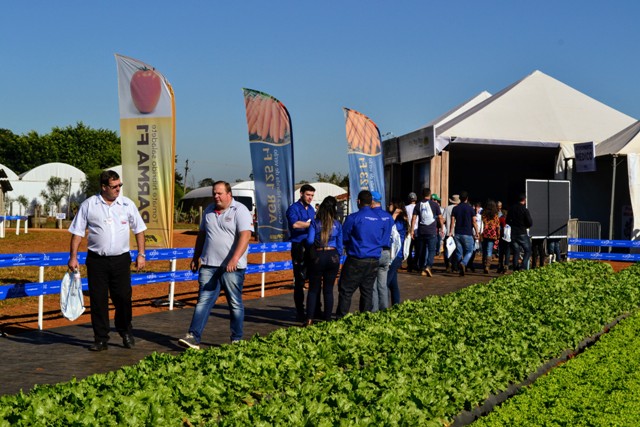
(376, 242)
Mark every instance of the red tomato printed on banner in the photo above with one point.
(145, 90)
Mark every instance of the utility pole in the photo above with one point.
(186, 169)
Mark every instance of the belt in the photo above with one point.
(326, 248)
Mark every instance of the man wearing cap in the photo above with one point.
(411, 259)
(363, 234)
(380, 298)
(427, 216)
(450, 259)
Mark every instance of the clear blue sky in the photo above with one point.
(402, 63)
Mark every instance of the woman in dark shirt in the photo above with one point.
(325, 240)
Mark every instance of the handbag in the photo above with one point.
(71, 300)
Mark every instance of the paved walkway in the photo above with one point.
(60, 354)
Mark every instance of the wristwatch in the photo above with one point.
(142, 254)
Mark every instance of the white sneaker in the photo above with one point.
(189, 342)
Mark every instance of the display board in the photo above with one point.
(549, 202)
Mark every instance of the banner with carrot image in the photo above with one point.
(271, 146)
(366, 167)
(148, 145)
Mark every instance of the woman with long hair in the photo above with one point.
(401, 227)
(490, 232)
(325, 241)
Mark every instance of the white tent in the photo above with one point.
(625, 143)
(535, 111)
(31, 184)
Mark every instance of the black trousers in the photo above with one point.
(109, 276)
(300, 260)
(322, 275)
(357, 273)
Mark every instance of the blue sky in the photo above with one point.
(402, 63)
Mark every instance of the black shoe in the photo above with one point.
(128, 341)
(98, 346)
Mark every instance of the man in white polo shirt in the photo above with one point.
(109, 217)
(220, 257)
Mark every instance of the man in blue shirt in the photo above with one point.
(380, 289)
(299, 217)
(364, 234)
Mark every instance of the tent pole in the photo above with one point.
(613, 192)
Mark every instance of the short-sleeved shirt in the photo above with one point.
(464, 214)
(222, 232)
(297, 212)
(427, 212)
(109, 225)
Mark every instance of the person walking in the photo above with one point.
(411, 259)
(427, 216)
(519, 219)
(220, 258)
(325, 247)
(450, 259)
(490, 234)
(399, 233)
(364, 234)
(299, 217)
(109, 218)
(380, 289)
(463, 227)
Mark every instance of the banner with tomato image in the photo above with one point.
(271, 146)
(147, 134)
(366, 167)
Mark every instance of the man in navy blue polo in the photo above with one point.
(364, 235)
(299, 217)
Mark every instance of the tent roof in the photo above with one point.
(624, 142)
(10, 174)
(537, 108)
(456, 111)
(62, 170)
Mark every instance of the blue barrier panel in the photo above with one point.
(604, 256)
(12, 217)
(611, 243)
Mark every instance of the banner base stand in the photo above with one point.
(165, 303)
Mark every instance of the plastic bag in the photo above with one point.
(406, 250)
(396, 242)
(450, 246)
(71, 300)
(506, 234)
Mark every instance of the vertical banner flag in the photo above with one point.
(148, 144)
(271, 145)
(366, 168)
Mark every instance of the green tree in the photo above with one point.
(57, 189)
(207, 182)
(333, 178)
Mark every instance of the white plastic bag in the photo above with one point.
(506, 234)
(396, 241)
(406, 251)
(71, 300)
(450, 246)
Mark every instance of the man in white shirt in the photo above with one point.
(220, 258)
(109, 217)
(411, 260)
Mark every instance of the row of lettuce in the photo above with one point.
(420, 363)
(600, 387)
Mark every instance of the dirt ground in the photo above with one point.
(20, 314)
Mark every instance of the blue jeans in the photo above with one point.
(553, 248)
(464, 248)
(392, 280)
(426, 250)
(519, 243)
(380, 297)
(211, 281)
